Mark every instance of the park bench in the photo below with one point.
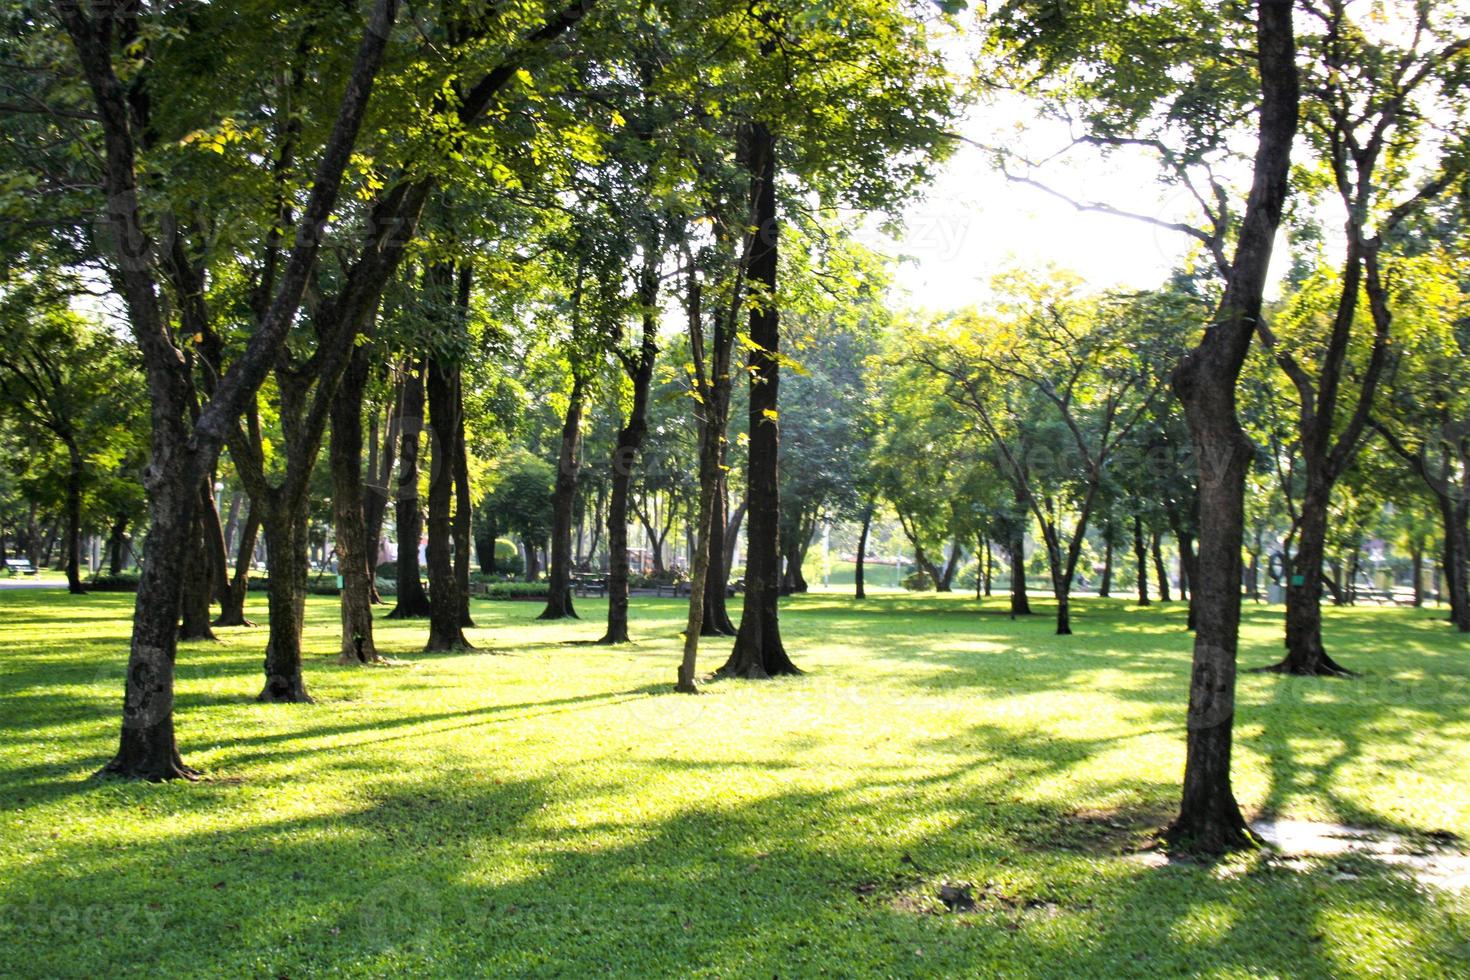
(675, 589)
(586, 585)
(19, 566)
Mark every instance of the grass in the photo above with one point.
(548, 809)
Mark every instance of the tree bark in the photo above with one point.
(1209, 818)
(232, 610)
(758, 650)
(117, 543)
(1105, 587)
(1140, 560)
(75, 471)
(716, 618)
(464, 507)
(413, 601)
(345, 451)
(859, 590)
(624, 458)
(1020, 601)
(375, 500)
(194, 607)
(286, 541)
(1305, 654)
(1161, 570)
(445, 634)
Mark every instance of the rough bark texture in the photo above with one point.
(716, 619)
(445, 634)
(639, 367)
(463, 527)
(1209, 818)
(198, 577)
(563, 502)
(350, 522)
(858, 589)
(1140, 561)
(413, 601)
(286, 544)
(758, 651)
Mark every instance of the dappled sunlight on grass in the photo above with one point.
(543, 806)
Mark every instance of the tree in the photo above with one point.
(1057, 384)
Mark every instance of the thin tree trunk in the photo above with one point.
(1161, 570)
(375, 500)
(1105, 587)
(117, 542)
(1140, 558)
(987, 569)
(232, 610)
(194, 606)
(859, 590)
(74, 473)
(413, 602)
(1305, 654)
(463, 527)
(345, 451)
(1020, 601)
(716, 618)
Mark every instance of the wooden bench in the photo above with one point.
(584, 586)
(675, 589)
(19, 566)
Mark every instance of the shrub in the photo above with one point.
(918, 582)
(388, 570)
(127, 582)
(517, 590)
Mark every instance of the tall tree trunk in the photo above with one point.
(345, 453)
(1453, 513)
(1416, 570)
(860, 559)
(1188, 571)
(625, 457)
(1020, 601)
(758, 650)
(1161, 570)
(117, 543)
(375, 500)
(987, 567)
(1305, 654)
(1140, 559)
(716, 613)
(74, 473)
(1105, 587)
(413, 602)
(464, 508)
(232, 610)
(194, 606)
(945, 582)
(287, 542)
(1209, 819)
(445, 634)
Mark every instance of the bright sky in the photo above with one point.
(973, 223)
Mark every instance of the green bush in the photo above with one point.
(918, 582)
(388, 570)
(126, 582)
(517, 590)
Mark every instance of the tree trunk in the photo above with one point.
(987, 569)
(146, 747)
(1209, 819)
(232, 610)
(74, 472)
(464, 507)
(945, 582)
(716, 614)
(758, 650)
(117, 542)
(445, 634)
(413, 602)
(1161, 570)
(345, 451)
(375, 500)
(1416, 570)
(1020, 602)
(860, 559)
(1453, 513)
(1105, 587)
(286, 541)
(1305, 654)
(1140, 558)
(194, 606)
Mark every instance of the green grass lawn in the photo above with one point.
(544, 808)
